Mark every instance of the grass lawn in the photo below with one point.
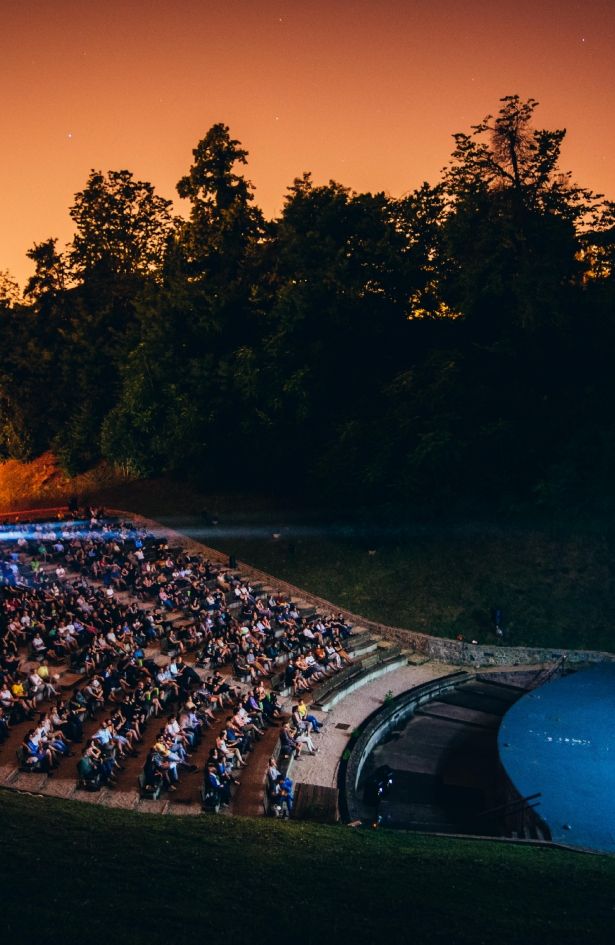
(553, 580)
(555, 584)
(77, 873)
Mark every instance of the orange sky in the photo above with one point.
(367, 93)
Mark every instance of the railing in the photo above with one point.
(550, 672)
(510, 806)
(517, 813)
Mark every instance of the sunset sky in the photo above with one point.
(367, 93)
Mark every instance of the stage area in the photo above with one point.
(560, 741)
(445, 762)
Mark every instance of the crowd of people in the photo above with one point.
(100, 596)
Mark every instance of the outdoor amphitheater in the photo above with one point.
(144, 671)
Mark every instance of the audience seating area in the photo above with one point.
(158, 671)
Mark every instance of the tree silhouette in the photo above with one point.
(122, 227)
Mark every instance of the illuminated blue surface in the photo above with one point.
(560, 740)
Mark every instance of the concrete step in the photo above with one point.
(366, 674)
(417, 659)
(375, 653)
(306, 611)
(367, 645)
(372, 659)
(357, 639)
(386, 648)
(346, 675)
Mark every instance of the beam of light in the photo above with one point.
(13, 533)
(70, 530)
(65, 532)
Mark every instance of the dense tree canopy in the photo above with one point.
(453, 345)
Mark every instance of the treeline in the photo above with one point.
(456, 344)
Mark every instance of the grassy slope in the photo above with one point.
(70, 872)
(551, 592)
(554, 583)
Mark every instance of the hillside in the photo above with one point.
(554, 580)
(170, 879)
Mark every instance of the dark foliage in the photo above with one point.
(452, 346)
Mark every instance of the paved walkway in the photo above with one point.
(349, 713)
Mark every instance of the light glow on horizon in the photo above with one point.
(367, 94)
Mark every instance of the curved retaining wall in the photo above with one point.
(387, 720)
(440, 649)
